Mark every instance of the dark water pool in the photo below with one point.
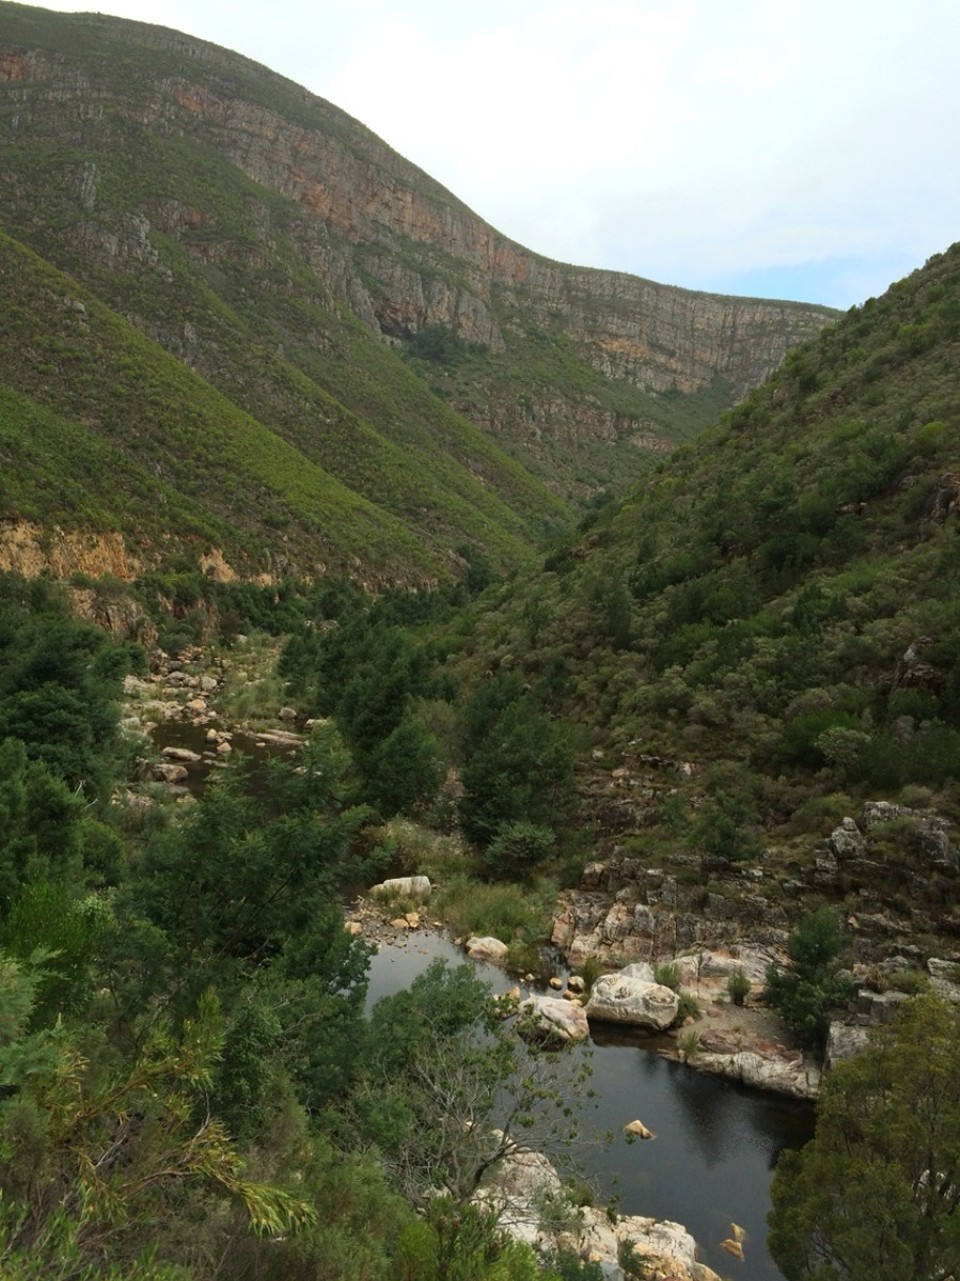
(717, 1143)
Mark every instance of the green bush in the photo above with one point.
(667, 975)
(516, 849)
(738, 987)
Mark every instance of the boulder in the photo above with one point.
(786, 1073)
(880, 812)
(623, 998)
(165, 773)
(413, 887)
(521, 1181)
(552, 1016)
(879, 1007)
(487, 949)
(846, 841)
(945, 979)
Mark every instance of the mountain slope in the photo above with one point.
(131, 441)
(777, 608)
(292, 259)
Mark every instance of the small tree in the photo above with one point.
(804, 995)
(452, 1088)
(875, 1196)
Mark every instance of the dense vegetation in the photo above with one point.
(776, 606)
(189, 1085)
(874, 1197)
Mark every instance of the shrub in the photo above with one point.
(689, 1008)
(738, 987)
(516, 849)
(667, 975)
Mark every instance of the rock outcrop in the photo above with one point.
(524, 1179)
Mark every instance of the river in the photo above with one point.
(717, 1143)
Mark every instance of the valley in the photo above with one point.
(625, 614)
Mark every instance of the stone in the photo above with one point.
(576, 983)
(621, 998)
(164, 773)
(879, 1007)
(556, 982)
(182, 754)
(413, 887)
(934, 843)
(879, 812)
(844, 1041)
(520, 1182)
(287, 714)
(846, 841)
(553, 1016)
(638, 1129)
(781, 1072)
(487, 949)
(945, 979)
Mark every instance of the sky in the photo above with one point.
(800, 149)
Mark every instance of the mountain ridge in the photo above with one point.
(344, 299)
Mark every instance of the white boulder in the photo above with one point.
(622, 998)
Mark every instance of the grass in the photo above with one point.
(507, 912)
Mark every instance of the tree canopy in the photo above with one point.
(874, 1196)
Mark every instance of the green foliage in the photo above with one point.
(805, 995)
(668, 975)
(516, 849)
(738, 987)
(452, 1088)
(119, 1141)
(720, 831)
(518, 763)
(688, 1008)
(874, 1196)
(505, 911)
(405, 770)
(59, 686)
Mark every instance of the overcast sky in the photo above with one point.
(803, 149)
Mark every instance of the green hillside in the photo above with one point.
(288, 258)
(779, 606)
(121, 435)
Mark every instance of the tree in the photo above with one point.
(875, 1195)
(453, 1087)
(804, 995)
(242, 875)
(519, 763)
(405, 770)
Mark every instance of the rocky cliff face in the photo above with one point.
(332, 214)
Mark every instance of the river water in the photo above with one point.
(717, 1143)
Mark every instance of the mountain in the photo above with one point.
(765, 636)
(258, 339)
